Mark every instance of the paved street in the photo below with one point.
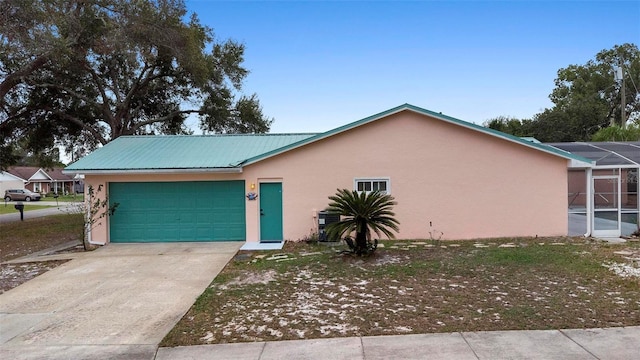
(60, 208)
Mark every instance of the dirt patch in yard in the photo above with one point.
(417, 287)
(12, 275)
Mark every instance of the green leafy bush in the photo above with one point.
(617, 133)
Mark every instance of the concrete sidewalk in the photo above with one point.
(117, 302)
(612, 343)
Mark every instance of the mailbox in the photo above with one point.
(20, 207)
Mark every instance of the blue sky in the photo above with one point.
(316, 65)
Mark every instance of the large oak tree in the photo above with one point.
(586, 98)
(592, 92)
(81, 73)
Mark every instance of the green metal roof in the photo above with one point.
(184, 153)
(180, 152)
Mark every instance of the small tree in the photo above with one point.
(361, 213)
(93, 209)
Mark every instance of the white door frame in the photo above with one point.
(605, 232)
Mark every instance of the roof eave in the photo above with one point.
(578, 164)
(234, 170)
(539, 147)
(14, 176)
(501, 135)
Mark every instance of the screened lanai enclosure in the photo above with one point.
(603, 198)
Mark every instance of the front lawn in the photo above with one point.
(21, 238)
(309, 291)
(65, 198)
(10, 209)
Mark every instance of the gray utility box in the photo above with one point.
(325, 218)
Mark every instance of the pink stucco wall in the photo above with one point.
(465, 183)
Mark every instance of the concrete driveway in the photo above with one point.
(116, 302)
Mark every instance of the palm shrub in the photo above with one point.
(362, 213)
(630, 132)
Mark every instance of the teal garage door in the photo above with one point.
(177, 211)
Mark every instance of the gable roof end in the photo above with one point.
(229, 153)
(27, 172)
(408, 107)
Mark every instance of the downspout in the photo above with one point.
(589, 202)
(89, 240)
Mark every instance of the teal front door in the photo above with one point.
(270, 212)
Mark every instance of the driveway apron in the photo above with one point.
(119, 300)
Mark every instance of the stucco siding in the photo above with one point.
(466, 184)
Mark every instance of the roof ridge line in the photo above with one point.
(216, 135)
(612, 152)
(416, 109)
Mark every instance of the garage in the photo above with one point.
(177, 211)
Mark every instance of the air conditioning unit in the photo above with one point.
(325, 218)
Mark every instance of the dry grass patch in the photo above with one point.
(22, 238)
(9, 208)
(309, 291)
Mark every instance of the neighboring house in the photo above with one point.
(35, 178)
(42, 180)
(448, 176)
(10, 181)
(62, 183)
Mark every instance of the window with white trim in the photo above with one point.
(382, 185)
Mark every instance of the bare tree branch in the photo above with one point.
(17, 77)
(165, 118)
(104, 106)
(96, 134)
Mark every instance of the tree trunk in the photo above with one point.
(361, 243)
(85, 240)
(85, 237)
